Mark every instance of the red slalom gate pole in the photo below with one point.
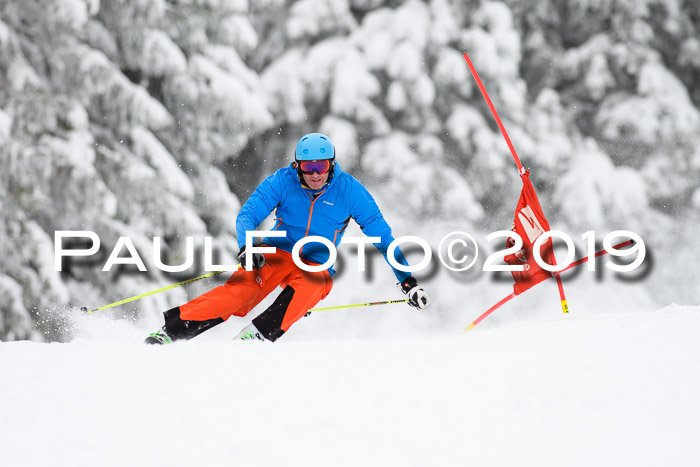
(511, 296)
(488, 312)
(521, 169)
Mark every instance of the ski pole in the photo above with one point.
(385, 302)
(137, 297)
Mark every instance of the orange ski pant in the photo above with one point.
(245, 289)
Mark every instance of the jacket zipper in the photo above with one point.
(311, 211)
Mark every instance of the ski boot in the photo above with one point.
(249, 333)
(159, 337)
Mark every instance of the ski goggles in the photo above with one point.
(321, 166)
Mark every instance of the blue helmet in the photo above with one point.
(313, 147)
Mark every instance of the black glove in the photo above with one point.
(416, 295)
(257, 259)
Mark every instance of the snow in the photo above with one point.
(214, 200)
(450, 70)
(5, 125)
(405, 62)
(310, 18)
(41, 246)
(284, 89)
(366, 4)
(598, 78)
(423, 91)
(352, 87)
(170, 175)
(396, 98)
(230, 61)
(579, 390)
(458, 199)
(13, 316)
(657, 82)
(445, 24)
(93, 6)
(344, 137)
(464, 122)
(20, 76)
(70, 13)
(546, 141)
(689, 53)
(5, 35)
(161, 56)
(237, 31)
(77, 118)
(376, 42)
(599, 194)
(127, 103)
(411, 23)
(662, 112)
(76, 151)
(317, 69)
(497, 19)
(574, 61)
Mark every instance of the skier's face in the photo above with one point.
(315, 180)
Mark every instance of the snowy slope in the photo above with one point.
(604, 389)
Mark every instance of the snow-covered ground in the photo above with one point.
(583, 389)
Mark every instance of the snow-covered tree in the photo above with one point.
(156, 118)
(114, 118)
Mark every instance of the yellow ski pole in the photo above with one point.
(385, 302)
(210, 274)
(137, 297)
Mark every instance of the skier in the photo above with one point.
(312, 196)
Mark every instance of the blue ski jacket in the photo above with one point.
(300, 215)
